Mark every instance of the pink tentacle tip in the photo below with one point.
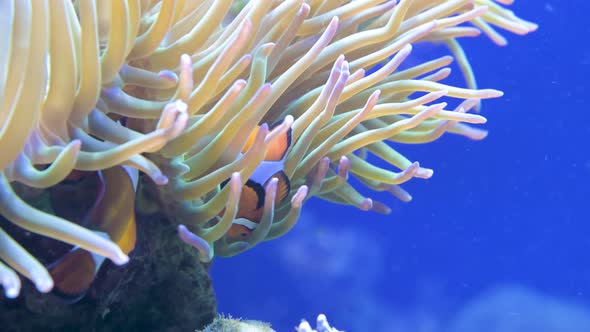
(188, 237)
(42, 281)
(424, 173)
(380, 208)
(120, 258)
(299, 197)
(168, 75)
(344, 167)
(409, 172)
(185, 60)
(11, 291)
(366, 204)
(181, 107)
(160, 179)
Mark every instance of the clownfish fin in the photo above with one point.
(251, 201)
(258, 191)
(114, 212)
(133, 174)
(254, 197)
(283, 187)
(250, 139)
(74, 273)
(279, 149)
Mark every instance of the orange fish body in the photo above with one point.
(113, 216)
(251, 204)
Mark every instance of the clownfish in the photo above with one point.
(113, 216)
(251, 204)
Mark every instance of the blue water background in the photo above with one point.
(511, 210)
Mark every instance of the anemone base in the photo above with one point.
(162, 288)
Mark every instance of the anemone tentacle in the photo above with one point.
(199, 94)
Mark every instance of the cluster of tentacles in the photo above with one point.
(195, 94)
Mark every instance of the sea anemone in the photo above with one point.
(196, 95)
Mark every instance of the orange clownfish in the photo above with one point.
(251, 205)
(113, 216)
